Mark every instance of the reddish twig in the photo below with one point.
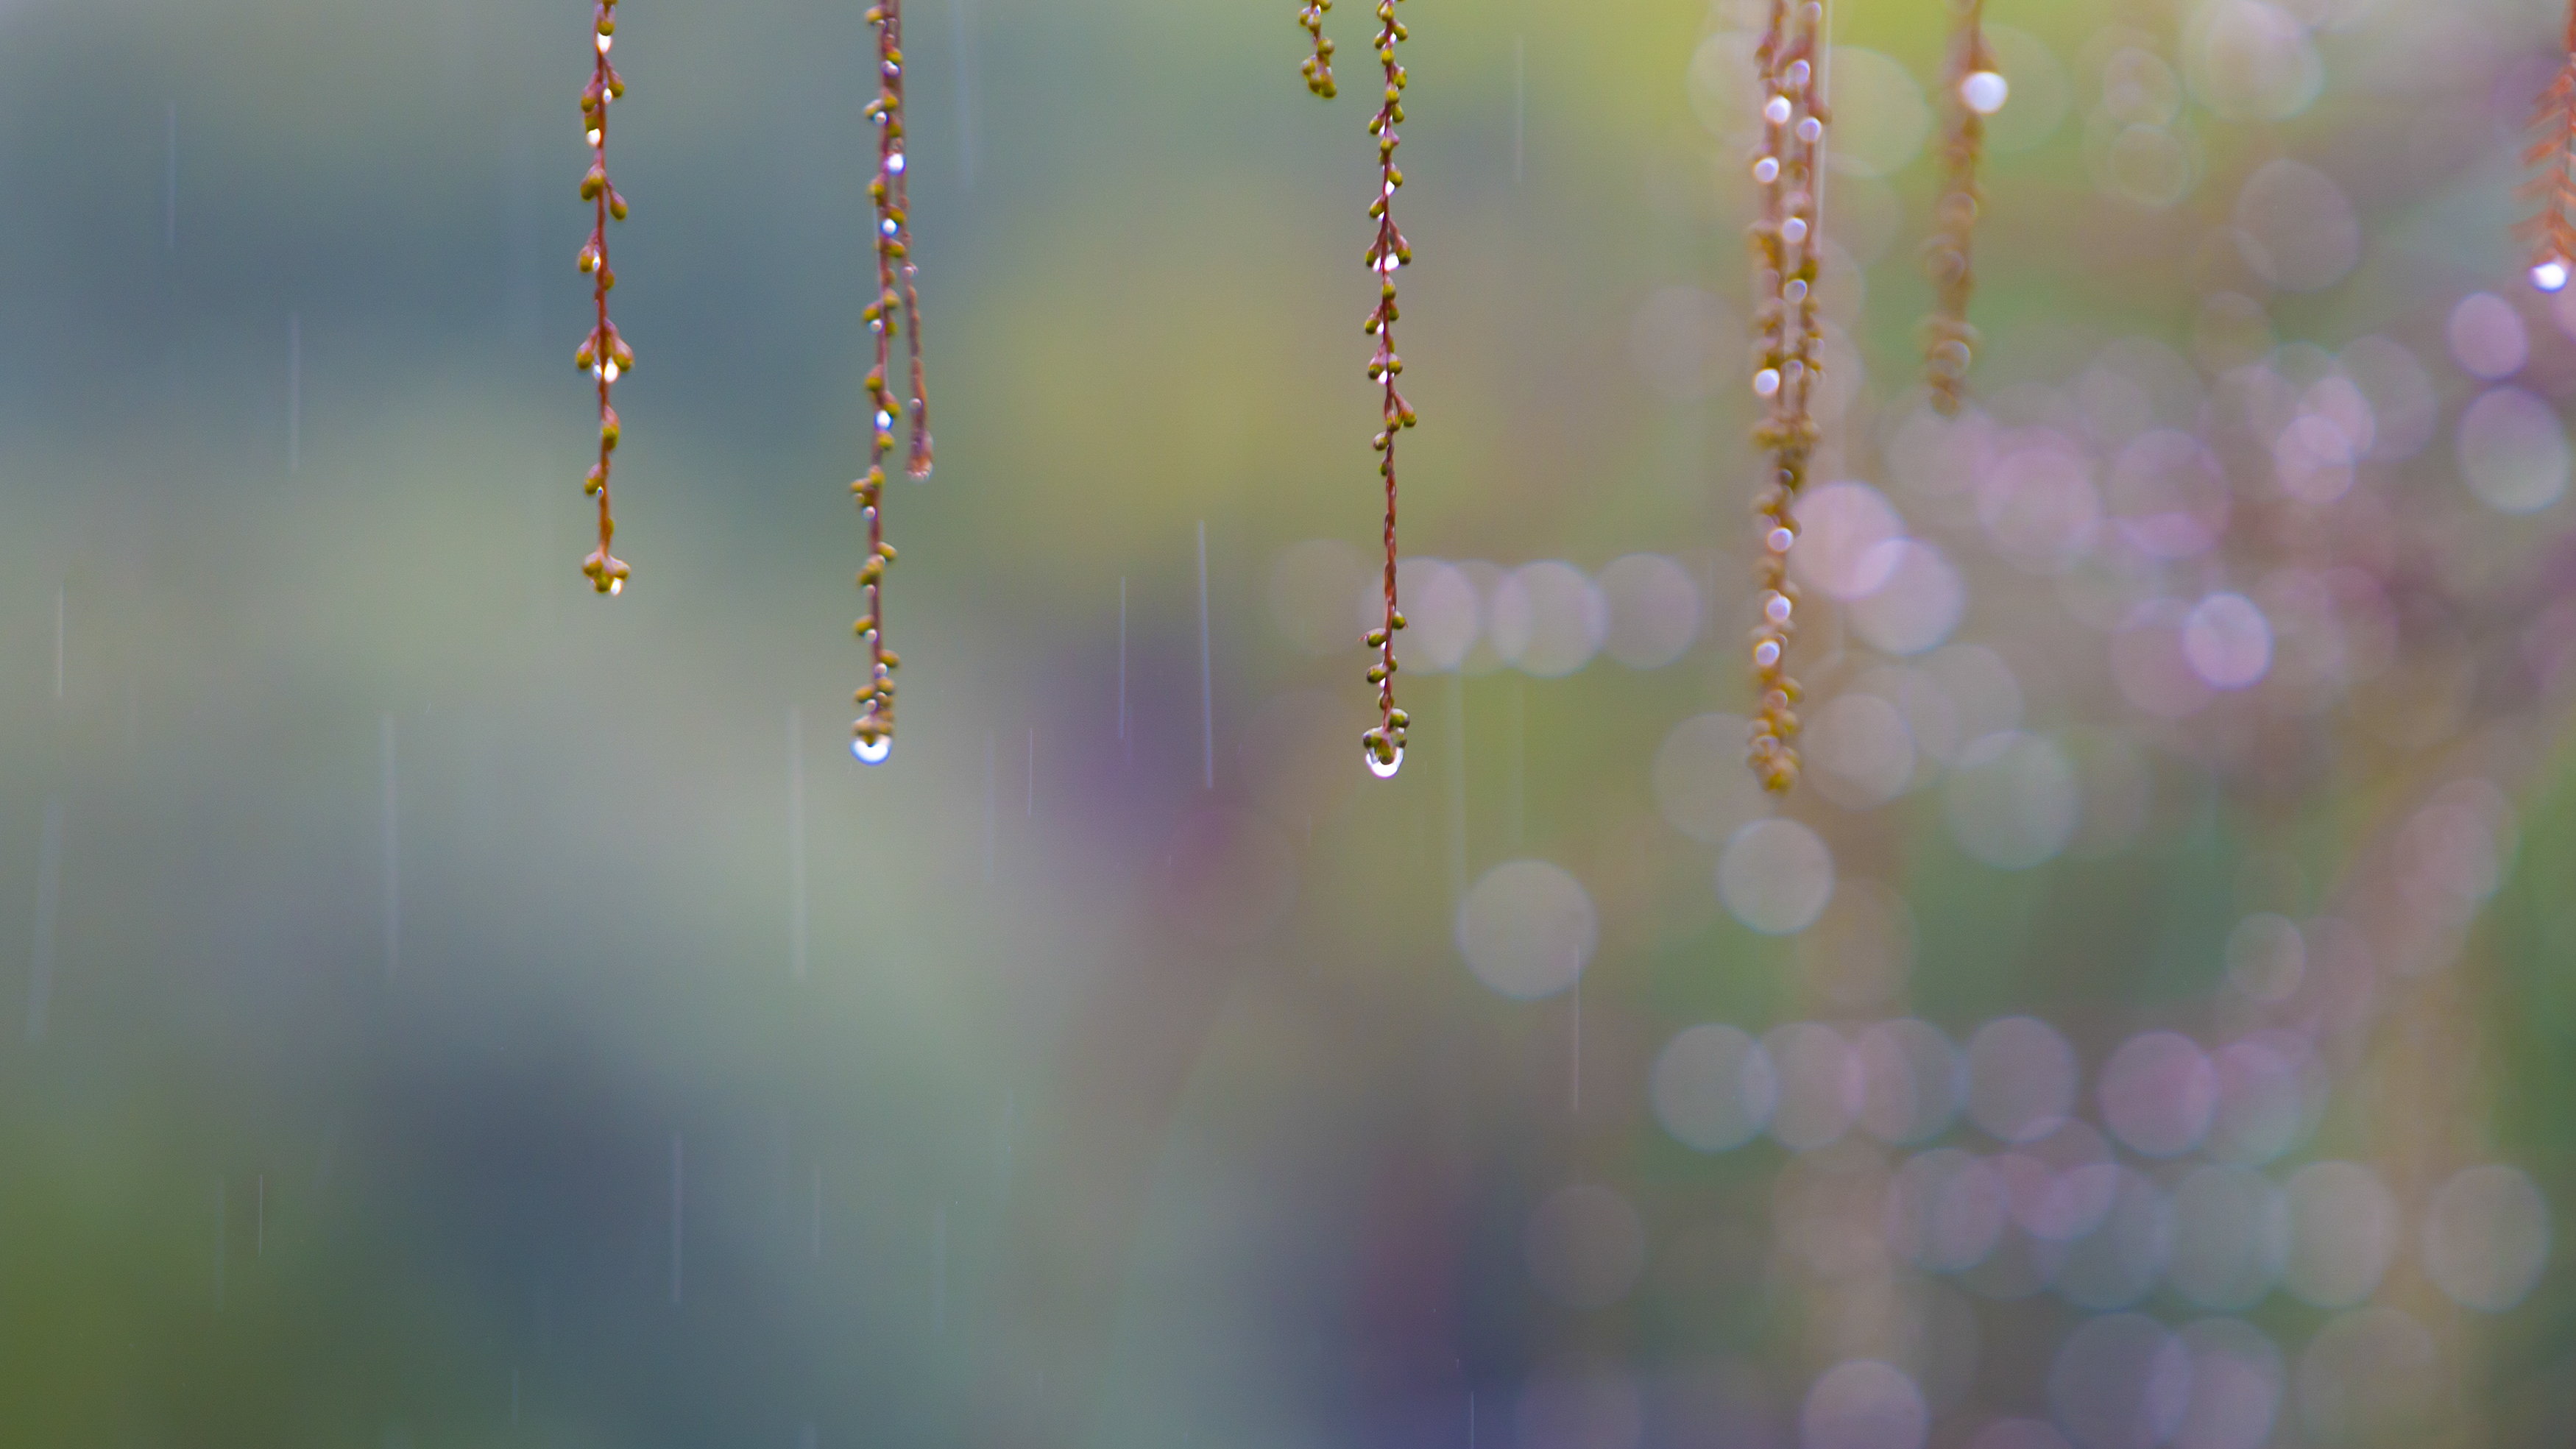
(1383, 743)
(603, 354)
(1390, 251)
(872, 734)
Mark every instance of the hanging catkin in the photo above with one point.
(897, 304)
(1787, 248)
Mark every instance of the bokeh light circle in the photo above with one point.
(2486, 1237)
(1444, 614)
(1548, 619)
(1918, 603)
(2120, 1382)
(1859, 753)
(1654, 610)
(1946, 1210)
(2271, 1089)
(1880, 116)
(2299, 229)
(1821, 1087)
(2266, 957)
(2231, 1238)
(2021, 1079)
(1863, 1404)
(2372, 1376)
(2159, 1093)
(2513, 451)
(2487, 337)
(2012, 802)
(1776, 876)
(2237, 1378)
(1712, 1087)
(2343, 1231)
(1841, 528)
(2227, 641)
(1911, 1081)
(2039, 508)
(1700, 782)
(2115, 1264)
(2249, 61)
(1527, 929)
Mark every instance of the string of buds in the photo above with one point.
(1319, 66)
(603, 353)
(872, 734)
(1787, 350)
(1384, 743)
(1974, 90)
(2551, 232)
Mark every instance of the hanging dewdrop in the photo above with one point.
(1973, 90)
(1787, 346)
(2551, 232)
(1382, 745)
(604, 354)
(872, 734)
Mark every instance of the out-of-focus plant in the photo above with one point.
(1788, 242)
(1971, 90)
(2551, 233)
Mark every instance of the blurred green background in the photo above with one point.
(460, 1010)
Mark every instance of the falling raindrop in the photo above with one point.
(678, 1182)
(392, 845)
(1207, 677)
(796, 935)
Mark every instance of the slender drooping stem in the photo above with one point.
(603, 353)
(1388, 253)
(1383, 743)
(2551, 231)
(1787, 249)
(897, 304)
(1972, 90)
